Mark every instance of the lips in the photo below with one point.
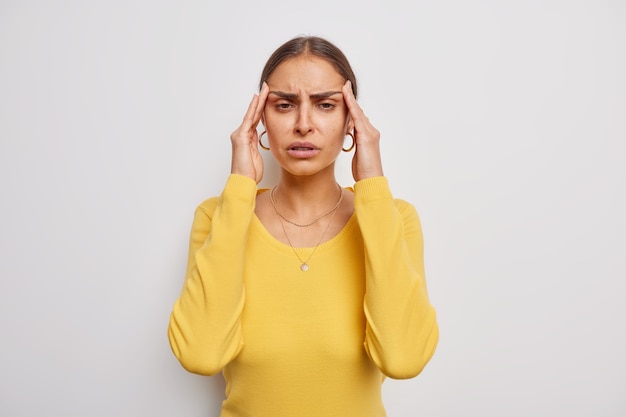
(302, 146)
(302, 150)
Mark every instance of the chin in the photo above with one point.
(307, 169)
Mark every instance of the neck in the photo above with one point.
(304, 197)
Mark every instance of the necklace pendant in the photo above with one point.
(304, 267)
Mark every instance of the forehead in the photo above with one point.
(305, 72)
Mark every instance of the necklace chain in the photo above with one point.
(304, 263)
(316, 219)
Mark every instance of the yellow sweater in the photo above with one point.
(299, 344)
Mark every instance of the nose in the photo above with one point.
(303, 122)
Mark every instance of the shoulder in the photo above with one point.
(237, 188)
(207, 207)
(408, 212)
(404, 207)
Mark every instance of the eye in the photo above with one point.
(284, 106)
(327, 106)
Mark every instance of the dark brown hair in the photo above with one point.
(312, 45)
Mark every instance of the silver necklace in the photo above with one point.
(332, 210)
(304, 263)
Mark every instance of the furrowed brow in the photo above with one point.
(282, 94)
(324, 95)
(294, 96)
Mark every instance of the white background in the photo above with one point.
(503, 122)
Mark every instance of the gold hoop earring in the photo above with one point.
(261, 143)
(353, 143)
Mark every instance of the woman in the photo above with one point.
(306, 295)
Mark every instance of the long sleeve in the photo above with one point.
(401, 326)
(205, 324)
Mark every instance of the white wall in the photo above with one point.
(503, 122)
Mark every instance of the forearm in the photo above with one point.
(402, 332)
(205, 328)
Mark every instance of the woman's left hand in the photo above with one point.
(367, 161)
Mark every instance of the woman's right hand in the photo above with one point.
(246, 158)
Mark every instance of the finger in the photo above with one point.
(248, 119)
(356, 112)
(362, 125)
(265, 89)
(349, 98)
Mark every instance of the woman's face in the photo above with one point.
(305, 115)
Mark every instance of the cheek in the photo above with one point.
(272, 128)
(340, 126)
(277, 123)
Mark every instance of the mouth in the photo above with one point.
(302, 146)
(302, 150)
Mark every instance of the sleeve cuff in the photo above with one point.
(372, 189)
(240, 187)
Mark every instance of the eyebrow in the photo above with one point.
(293, 96)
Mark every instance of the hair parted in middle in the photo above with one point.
(310, 45)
